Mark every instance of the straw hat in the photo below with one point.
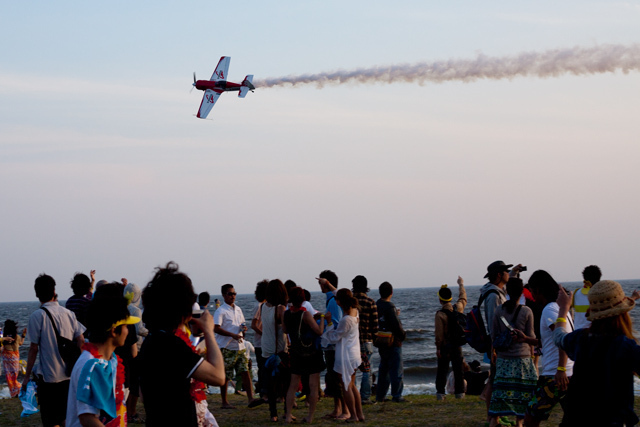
(607, 299)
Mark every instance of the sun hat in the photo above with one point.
(607, 299)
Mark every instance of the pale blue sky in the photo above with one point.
(103, 164)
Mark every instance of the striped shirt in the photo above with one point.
(79, 304)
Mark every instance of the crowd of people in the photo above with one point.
(104, 351)
(540, 354)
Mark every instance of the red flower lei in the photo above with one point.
(197, 387)
(91, 348)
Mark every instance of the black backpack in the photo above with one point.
(475, 330)
(456, 325)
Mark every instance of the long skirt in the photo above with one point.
(513, 387)
(11, 366)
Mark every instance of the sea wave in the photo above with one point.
(420, 370)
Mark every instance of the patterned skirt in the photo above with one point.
(11, 365)
(513, 387)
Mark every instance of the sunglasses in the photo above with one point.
(231, 294)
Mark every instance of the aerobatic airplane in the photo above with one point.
(213, 88)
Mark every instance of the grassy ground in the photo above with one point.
(420, 411)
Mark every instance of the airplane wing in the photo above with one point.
(208, 99)
(220, 73)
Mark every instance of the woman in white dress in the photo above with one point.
(347, 339)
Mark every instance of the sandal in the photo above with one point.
(256, 402)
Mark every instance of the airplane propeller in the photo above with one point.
(194, 82)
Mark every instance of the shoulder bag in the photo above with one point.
(67, 348)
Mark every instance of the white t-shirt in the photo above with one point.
(309, 308)
(549, 361)
(75, 408)
(229, 318)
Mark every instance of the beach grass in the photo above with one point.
(420, 410)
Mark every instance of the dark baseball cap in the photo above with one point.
(497, 266)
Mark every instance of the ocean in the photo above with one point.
(417, 311)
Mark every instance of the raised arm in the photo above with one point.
(462, 296)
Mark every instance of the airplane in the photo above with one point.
(218, 83)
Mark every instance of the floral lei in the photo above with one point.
(197, 387)
(91, 348)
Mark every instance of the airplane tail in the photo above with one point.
(247, 86)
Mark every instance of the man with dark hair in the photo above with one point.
(448, 351)
(53, 382)
(580, 303)
(203, 300)
(391, 370)
(79, 302)
(493, 294)
(328, 281)
(368, 327)
(93, 397)
(230, 327)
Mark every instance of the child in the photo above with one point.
(93, 399)
(11, 355)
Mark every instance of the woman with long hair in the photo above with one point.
(274, 345)
(11, 342)
(606, 356)
(516, 374)
(347, 339)
(306, 356)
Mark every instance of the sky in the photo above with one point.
(103, 164)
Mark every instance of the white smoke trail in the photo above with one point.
(552, 63)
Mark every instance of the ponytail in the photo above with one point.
(346, 299)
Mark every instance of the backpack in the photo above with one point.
(475, 331)
(456, 327)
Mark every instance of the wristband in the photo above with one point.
(562, 369)
(322, 315)
(561, 320)
(330, 324)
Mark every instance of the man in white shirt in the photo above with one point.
(53, 382)
(230, 326)
(555, 368)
